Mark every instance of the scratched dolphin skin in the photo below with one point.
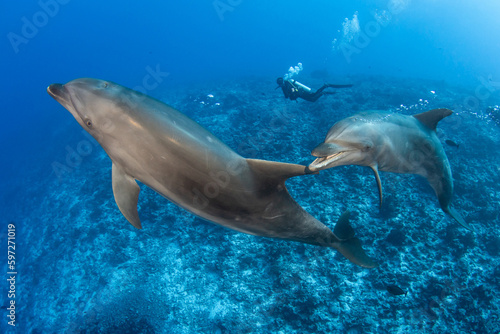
(149, 141)
(392, 142)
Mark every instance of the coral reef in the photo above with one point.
(84, 269)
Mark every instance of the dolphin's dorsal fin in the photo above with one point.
(379, 183)
(277, 171)
(126, 191)
(432, 117)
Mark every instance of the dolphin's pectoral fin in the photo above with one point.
(432, 117)
(126, 191)
(350, 246)
(458, 217)
(278, 171)
(379, 183)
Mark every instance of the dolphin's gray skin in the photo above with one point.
(392, 143)
(157, 145)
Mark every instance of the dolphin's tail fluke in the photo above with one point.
(350, 246)
(458, 217)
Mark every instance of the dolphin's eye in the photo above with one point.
(367, 146)
(106, 84)
(88, 122)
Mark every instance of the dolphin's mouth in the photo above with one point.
(63, 95)
(323, 162)
(59, 93)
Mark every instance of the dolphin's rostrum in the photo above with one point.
(167, 151)
(393, 143)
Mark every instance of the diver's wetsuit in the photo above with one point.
(293, 91)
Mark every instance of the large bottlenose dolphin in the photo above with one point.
(392, 143)
(167, 151)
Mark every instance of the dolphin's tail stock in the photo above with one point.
(350, 246)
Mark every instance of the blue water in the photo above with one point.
(82, 268)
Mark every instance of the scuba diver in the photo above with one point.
(294, 90)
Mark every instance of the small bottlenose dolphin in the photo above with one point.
(149, 141)
(392, 142)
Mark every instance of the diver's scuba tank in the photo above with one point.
(301, 85)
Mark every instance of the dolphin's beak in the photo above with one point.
(326, 154)
(326, 149)
(59, 93)
(55, 90)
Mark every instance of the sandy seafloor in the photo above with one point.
(84, 269)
